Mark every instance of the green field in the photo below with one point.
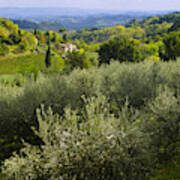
(16, 64)
(13, 65)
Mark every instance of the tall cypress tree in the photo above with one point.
(48, 54)
(35, 31)
(48, 57)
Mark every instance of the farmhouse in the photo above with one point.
(67, 47)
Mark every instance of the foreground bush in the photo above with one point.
(95, 145)
(121, 49)
(163, 124)
(139, 83)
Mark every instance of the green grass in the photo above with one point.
(12, 65)
(7, 77)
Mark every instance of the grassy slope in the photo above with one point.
(12, 65)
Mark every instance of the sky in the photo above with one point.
(97, 4)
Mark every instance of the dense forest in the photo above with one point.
(97, 103)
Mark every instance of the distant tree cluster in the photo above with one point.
(121, 49)
(171, 47)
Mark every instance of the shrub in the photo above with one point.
(164, 124)
(95, 145)
(77, 59)
(48, 57)
(136, 82)
(4, 50)
(121, 49)
(171, 49)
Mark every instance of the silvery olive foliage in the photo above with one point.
(163, 124)
(93, 145)
(138, 82)
(113, 122)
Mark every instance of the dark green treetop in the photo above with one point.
(121, 49)
(171, 47)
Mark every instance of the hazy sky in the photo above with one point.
(98, 4)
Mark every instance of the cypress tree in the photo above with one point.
(48, 55)
(35, 32)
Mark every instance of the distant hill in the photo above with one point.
(76, 19)
(76, 23)
(168, 18)
(44, 26)
(99, 21)
(25, 24)
(148, 29)
(79, 22)
(92, 36)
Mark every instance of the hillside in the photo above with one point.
(149, 29)
(99, 20)
(148, 34)
(92, 36)
(14, 40)
(72, 19)
(76, 22)
(44, 26)
(27, 25)
(169, 18)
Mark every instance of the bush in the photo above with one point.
(121, 49)
(77, 59)
(95, 145)
(4, 50)
(139, 83)
(164, 124)
(171, 48)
